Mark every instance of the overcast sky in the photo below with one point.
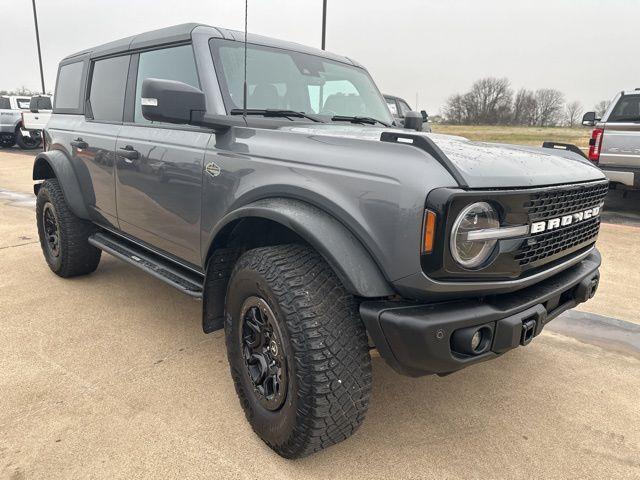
(586, 48)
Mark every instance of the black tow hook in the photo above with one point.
(528, 330)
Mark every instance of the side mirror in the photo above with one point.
(589, 119)
(413, 121)
(425, 116)
(170, 101)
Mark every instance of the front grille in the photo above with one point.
(555, 242)
(558, 202)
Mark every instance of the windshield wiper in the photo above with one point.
(356, 119)
(274, 112)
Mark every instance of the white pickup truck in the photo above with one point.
(12, 127)
(39, 113)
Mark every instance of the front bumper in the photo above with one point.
(415, 339)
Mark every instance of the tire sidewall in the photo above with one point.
(275, 427)
(55, 263)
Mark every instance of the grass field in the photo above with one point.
(519, 135)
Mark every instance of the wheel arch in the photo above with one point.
(56, 164)
(286, 220)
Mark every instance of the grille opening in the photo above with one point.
(555, 203)
(554, 242)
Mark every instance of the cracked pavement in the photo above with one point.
(110, 376)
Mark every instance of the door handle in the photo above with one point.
(128, 153)
(79, 143)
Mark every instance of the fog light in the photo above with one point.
(473, 340)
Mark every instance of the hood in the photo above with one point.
(484, 165)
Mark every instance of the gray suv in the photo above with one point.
(310, 226)
(615, 140)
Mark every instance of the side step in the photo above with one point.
(184, 280)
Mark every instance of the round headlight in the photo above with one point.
(473, 253)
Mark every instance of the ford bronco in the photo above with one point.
(268, 179)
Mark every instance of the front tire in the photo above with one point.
(297, 350)
(63, 236)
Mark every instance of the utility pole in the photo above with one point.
(324, 23)
(35, 21)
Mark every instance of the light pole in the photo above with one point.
(35, 21)
(324, 22)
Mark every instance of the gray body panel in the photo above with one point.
(159, 193)
(94, 165)
(369, 195)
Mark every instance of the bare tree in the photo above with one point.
(550, 103)
(454, 110)
(573, 111)
(488, 102)
(524, 108)
(601, 107)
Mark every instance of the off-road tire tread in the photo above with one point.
(79, 257)
(332, 361)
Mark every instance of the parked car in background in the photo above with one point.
(615, 140)
(399, 109)
(39, 113)
(12, 129)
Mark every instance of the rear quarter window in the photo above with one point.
(4, 103)
(68, 89)
(626, 110)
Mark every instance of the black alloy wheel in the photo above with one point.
(51, 227)
(261, 346)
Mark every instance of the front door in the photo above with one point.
(159, 166)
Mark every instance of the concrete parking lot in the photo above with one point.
(110, 376)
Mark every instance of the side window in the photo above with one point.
(5, 103)
(404, 108)
(626, 110)
(108, 82)
(391, 103)
(68, 87)
(176, 63)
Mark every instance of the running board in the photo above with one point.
(187, 282)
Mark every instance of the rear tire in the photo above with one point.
(303, 376)
(27, 143)
(7, 141)
(63, 236)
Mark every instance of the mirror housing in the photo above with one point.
(425, 116)
(413, 121)
(170, 101)
(589, 119)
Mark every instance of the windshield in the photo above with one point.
(289, 80)
(23, 103)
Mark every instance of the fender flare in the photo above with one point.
(59, 163)
(344, 252)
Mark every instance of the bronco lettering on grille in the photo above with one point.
(565, 220)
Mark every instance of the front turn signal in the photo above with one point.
(429, 231)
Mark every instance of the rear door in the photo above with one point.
(621, 140)
(159, 166)
(91, 138)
